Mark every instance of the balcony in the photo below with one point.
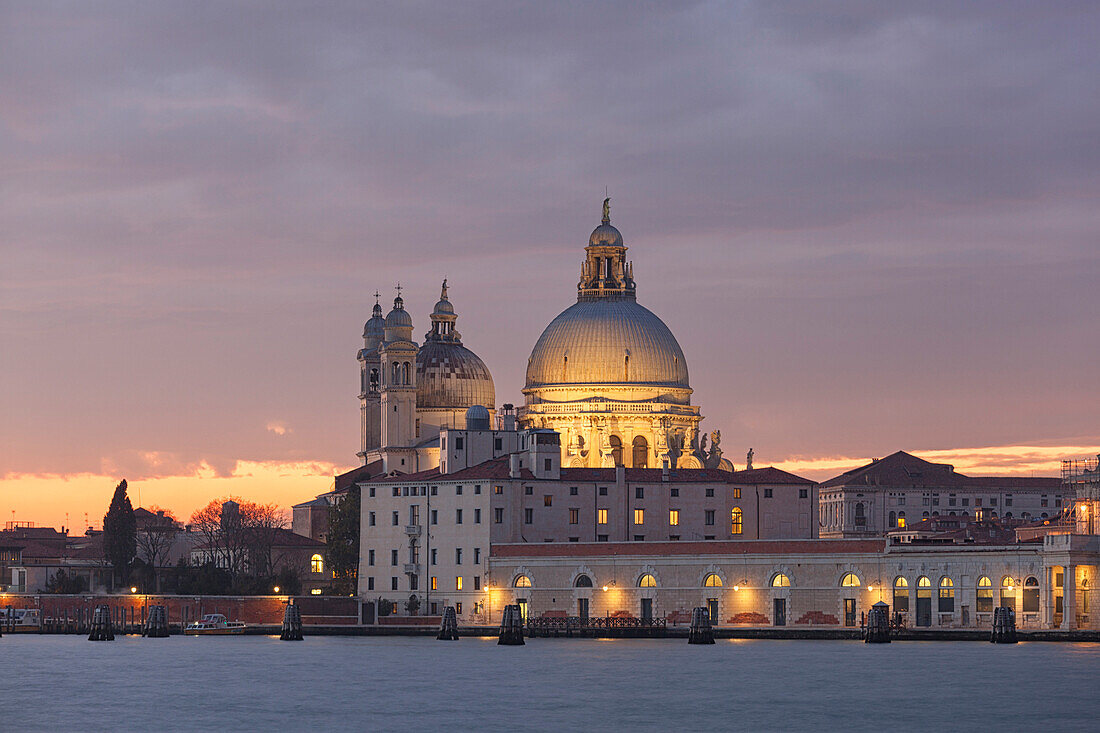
(413, 530)
(412, 568)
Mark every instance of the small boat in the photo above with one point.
(19, 618)
(215, 623)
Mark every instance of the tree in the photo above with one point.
(240, 537)
(120, 533)
(154, 540)
(343, 541)
(63, 583)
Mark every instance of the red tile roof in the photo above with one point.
(651, 549)
(903, 469)
(498, 468)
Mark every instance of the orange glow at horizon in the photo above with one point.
(45, 499)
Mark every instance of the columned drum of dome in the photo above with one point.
(608, 373)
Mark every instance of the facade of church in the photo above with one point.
(409, 392)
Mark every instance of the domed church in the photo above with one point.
(610, 377)
(409, 392)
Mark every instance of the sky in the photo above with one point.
(871, 226)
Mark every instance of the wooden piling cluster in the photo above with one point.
(292, 623)
(156, 623)
(1004, 626)
(448, 627)
(878, 624)
(102, 628)
(700, 631)
(511, 626)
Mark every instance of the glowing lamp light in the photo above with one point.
(737, 587)
(870, 587)
(605, 588)
(133, 589)
(276, 589)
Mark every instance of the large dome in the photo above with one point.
(612, 341)
(449, 375)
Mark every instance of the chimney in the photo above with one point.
(664, 471)
(514, 464)
(620, 478)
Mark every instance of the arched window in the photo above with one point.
(861, 514)
(947, 595)
(850, 580)
(1008, 593)
(616, 450)
(396, 374)
(316, 564)
(405, 373)
(1008, 515)
(641, 451)
(735, 520)
(647, 581)
(924, 515)
(901, 595)
(712, 581)
(582, 581)
(985, 595)
(901, 520)
(1031, 595)
(893, 519)
(521, 581)
(781, 581)
(374, 380)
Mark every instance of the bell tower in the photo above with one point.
(397, 399)
(370, 382)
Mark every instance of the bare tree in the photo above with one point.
(154, 539)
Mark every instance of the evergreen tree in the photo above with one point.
(343, 541)
(120, 533)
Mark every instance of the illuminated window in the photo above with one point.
(601, 516)
(673, 517)
(901, 595)
(735, 520)
(985, 595)
(1008, 593)
(458, 582)
(647, 581)
(639, 516)
(522, 581)
(901, 520)
(850, 580)
(435, 585)
(316, 591)
(316, 564)
(947, 596)
(781, 581)
(712, 581)
(737, 492)
(582, 581)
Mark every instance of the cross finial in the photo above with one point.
(377, 295)
(398, 288)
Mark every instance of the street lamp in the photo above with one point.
(133, 589)
(276, 589)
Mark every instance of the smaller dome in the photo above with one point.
(375, 327)
(605, 235)
(399, 317)
(477, 418)
(444, 308)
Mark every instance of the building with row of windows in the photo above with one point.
(601, 495)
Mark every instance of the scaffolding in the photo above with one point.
(1083, 475)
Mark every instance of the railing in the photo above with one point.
(577, 623)
(412, 567)
(413, 530)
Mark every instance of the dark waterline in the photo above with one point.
(416, 683)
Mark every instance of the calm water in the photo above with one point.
(396, 683)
